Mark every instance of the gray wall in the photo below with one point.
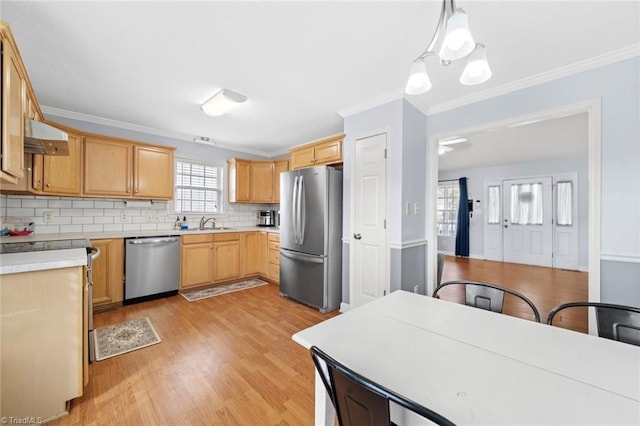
(618, 87)
(478, 177)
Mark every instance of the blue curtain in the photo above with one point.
(462, 230)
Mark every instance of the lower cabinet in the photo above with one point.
(196, 254)
(226, 254)
(273, 257)
(108, 274)
(220, 257)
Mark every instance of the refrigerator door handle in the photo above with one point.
(303, 210)
(294, 209)
(302, 257)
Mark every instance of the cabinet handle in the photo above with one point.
(48, 185)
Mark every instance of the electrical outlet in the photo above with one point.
(47, 216)
(124, 217)
(152, 217)
(417, 209)
(407, 209)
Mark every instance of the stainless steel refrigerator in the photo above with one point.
(310, 236)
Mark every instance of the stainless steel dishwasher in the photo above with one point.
(152, 268)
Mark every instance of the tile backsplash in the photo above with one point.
(69, 214)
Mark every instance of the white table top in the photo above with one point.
(478, 367)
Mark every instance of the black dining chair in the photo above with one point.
(616, 322)
(487, 296)
(359, 401)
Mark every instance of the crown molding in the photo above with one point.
(372, 103)
(88, 118)
(564, 71)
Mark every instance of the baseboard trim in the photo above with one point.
(344, 307)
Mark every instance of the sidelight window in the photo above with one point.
(199, 187)
(447, 208)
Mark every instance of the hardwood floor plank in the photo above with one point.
(545, 287)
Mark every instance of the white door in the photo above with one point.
(527, 221)
(493, 221)
(369, 247)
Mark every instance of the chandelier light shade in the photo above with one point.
(458, 41)
(222, 102)
(455, 41)
(477, 70)
(418, 78)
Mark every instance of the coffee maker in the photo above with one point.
(266, 218)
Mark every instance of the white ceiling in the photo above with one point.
(564, 137)
(152, 64)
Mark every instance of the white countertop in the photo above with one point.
(130, 234)
(14, 263)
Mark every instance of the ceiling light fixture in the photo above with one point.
(204, 140)
(222, 102)
(457, 43)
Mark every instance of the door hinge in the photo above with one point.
(384, 292)
(384, 223)
(385, 153)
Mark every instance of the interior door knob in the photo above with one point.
(357, 236)
(506, 226)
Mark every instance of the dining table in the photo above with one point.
(474, 366)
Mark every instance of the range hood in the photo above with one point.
(40, 138)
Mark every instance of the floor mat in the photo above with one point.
(125, 337)
(203, 293)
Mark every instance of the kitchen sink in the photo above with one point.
(222, 228)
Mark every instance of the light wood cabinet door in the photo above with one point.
(108, 273)
(273, 257)
(226, 260)
(302, 157)
(251, 256)
(329, 152)
(61, 174)
(196, 267)
(13, 113)
(153, 172)
(239, 187)
(278, 167)
(108, 167)
(261, 182)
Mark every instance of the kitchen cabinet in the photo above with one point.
(325, 151)
(273, 256)
(261, 181)
(226, 253)
(61, 174)
(126, 169)
(279, 166)
(196, 260)
(108, 274)
(14, 90)
(239, 180)
(252, 255)
(255, 181)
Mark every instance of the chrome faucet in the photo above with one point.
(204, 222)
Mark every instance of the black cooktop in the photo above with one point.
(26, 247)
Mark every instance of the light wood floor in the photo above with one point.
(223, 360)
(545, 287)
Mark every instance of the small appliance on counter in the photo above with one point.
(267, 218)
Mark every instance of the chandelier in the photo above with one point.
(457, 43)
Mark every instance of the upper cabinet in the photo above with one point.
(255, 181)
(279, 166)
(325, 151)
(125, 169)
(60, 174)
(14, 108)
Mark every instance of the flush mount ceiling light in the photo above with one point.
(457, 43)
(222, 102)
(204, 140)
